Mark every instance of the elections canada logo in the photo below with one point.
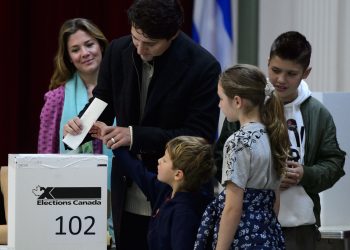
(67, 195)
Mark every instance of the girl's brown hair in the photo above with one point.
(248, 82)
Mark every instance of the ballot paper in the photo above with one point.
(89, 117)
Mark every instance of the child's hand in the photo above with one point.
(294, 173)
(97, 130)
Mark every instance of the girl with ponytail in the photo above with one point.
(245, 214)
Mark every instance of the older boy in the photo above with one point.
(316, 162)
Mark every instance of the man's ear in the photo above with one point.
(174, 36)
(179, 175)
(306, 72)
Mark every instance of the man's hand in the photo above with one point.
(112, 137)
(73, 127)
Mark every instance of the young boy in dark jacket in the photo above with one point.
(175, 193)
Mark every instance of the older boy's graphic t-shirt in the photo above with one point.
(296, 207)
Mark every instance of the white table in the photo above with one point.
(337, 233)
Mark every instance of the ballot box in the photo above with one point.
(57, 202)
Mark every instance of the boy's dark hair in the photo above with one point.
(292, 46)
(194, 156)
(158, 19)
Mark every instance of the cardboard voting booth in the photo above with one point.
(57, 202)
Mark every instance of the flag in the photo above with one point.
(212, 29)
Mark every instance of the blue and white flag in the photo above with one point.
(212, 29)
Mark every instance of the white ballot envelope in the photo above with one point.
(88, 118)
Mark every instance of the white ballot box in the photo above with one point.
(57, 202)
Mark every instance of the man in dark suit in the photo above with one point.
(158, 84)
